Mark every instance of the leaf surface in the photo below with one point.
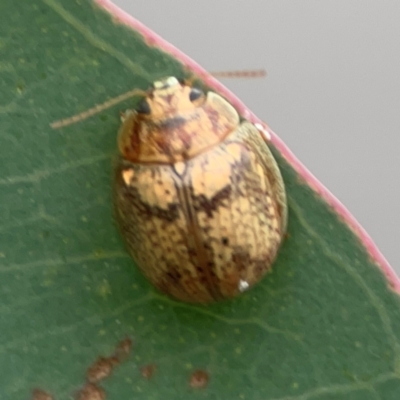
(323, 325)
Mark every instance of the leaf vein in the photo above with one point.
(38, 175)
(96, 41)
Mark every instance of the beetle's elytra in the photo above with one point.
(199, 198)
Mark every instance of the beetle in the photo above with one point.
(199, 198)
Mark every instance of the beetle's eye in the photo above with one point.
(143, 107)
(195, 94)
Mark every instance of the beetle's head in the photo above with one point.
(169, 98)
(175, 122)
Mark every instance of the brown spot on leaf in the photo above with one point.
(199, 379)
(39, 394)
(101, 369)
(91, 391)
(123, 349)
(103, 366)
(148, 370)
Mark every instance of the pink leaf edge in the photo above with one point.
(153, 39)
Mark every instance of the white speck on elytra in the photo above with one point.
(243, 285)
(263, 131)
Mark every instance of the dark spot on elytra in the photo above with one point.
(192, 252)
(241, 258)
(225, 241)
(261, 267)
(132, 198)
(202, 203)
(173, 274)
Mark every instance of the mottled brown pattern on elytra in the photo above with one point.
(159, 244)
(210, 205)
(199, 198)
(198, 248)
(258, 145)
(169, 215)
(249, 219)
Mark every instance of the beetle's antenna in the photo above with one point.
(256, 73)
(250, 73)
(96, 109)
(245, 73)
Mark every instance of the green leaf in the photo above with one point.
(323, 325)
